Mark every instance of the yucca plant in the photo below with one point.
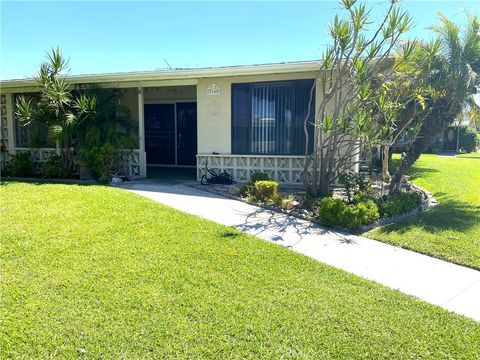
(52, 107)
(359, 60)
(78, 120)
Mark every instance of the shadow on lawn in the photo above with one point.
(419, 172)
(415, 171)
(449, 214)
(39, 181)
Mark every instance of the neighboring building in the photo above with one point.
(237, 119)
(445, 141)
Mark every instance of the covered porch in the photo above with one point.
(165, 113)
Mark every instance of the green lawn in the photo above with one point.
(451, 230)
(470, 155)
(104, 270)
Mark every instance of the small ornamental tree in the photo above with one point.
(52, 107)
(79, 120)
(353, 110)
(448, 67)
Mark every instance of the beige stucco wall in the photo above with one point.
(130, 100)
(169, 93)
(214, 111)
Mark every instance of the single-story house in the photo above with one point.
(237, 119)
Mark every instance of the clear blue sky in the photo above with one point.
(101, 37)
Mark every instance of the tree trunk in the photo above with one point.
(58, 148)
(385, 163)
(437, 118)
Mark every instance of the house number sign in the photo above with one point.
(213, 90)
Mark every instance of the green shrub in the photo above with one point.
(258, 176)
(354, 182)
(335, 212)
(361, 196)
(247, 190)
(399, 204)
(468, 140)
(329, 210)
(20, 164)
(266, 190)
(348, 180)
(277, 200)
(363, 213)
(54, 168)
(102, 160)
(287, 202)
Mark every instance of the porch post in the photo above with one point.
(10, 123)
(141, 134)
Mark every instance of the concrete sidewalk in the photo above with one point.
(453, 287)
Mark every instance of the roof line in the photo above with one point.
(206, 71)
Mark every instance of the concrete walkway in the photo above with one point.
(438, 282)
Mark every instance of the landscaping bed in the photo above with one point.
(355, 208)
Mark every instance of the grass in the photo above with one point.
(470, 155)
(451, 230)
(119, 276)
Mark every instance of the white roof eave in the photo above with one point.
(181, 74)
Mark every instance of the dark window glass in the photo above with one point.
(268, 117)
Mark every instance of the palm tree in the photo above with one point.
(99, 118)
(449, 67)
(51, 107)
(78, 120)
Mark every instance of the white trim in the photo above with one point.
(141, 134)
(20, 88)
(175, 121)
(9, 104)
(141, 79)
(253, 156)
(153, 102)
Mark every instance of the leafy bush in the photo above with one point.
(248, 189)
(277, 200)
(287, 202)
(258, 176)
(329, 210)
(361, 196)
(468, 140)
(55, 167)
(335, 212)
(266, 190)
(102, 160)
(20, 164)
(354, 182)
(348, 180)
(363, 213)
(399, 204)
